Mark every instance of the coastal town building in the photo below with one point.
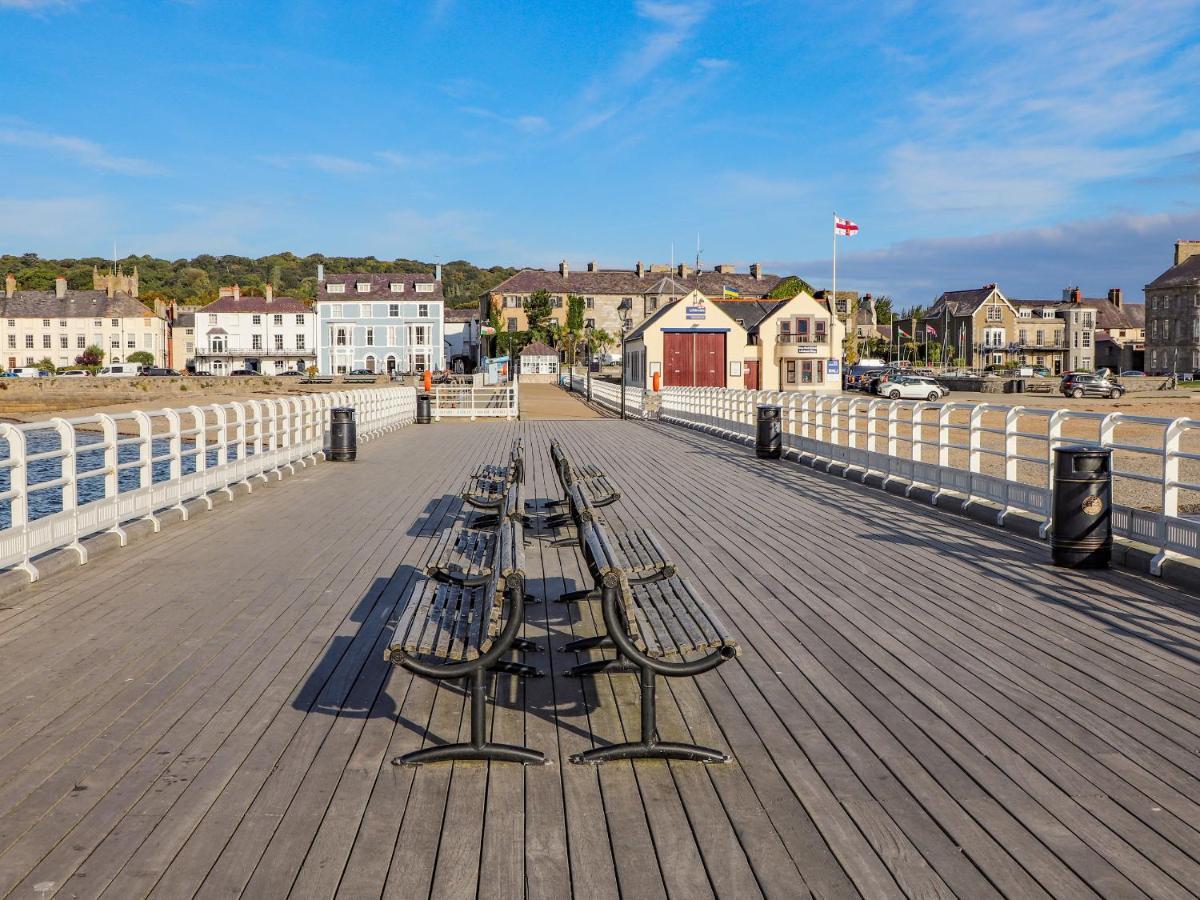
(380, 322)
(60, 324)
(267, 335)
(1173, 314)
(461, 339)
(539, 363)
(643, 289)
(182, 342)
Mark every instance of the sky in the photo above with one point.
(1034, 144)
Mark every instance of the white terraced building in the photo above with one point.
(268, 335)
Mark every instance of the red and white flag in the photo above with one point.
(844, 226)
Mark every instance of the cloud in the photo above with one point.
(321, 162)
(714, 65)
(1122, 250)
(430, 159)
(38, 6)
(84, 152)
(529, 124)
(751, 187)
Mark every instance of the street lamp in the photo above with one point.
(625, 311)
(587, 357)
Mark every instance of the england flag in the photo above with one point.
(844, 227)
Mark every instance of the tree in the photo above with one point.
(601, 341)
(573, 333)
(141, 357)
(92, 356)
(933, 352)
(537, 311)
(789, 287)
(883, 310)
(46, 364)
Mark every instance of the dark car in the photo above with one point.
(1085, 384)
(291, 373)
(243, 372)
(360, 372)
(165, 373)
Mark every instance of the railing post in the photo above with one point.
(70, 490)
(145, 467)
(18, 505)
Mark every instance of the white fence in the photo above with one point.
(980, 451)
(607, 394)
(469, 401)
(65, 479)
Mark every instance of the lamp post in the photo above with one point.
(587, 356)
(625, 311)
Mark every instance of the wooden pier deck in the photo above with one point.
(923, 707)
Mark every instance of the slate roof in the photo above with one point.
(461, 315)
(626, 281)
(185, 320)
(751, 312)
(1109, 316)
(963, 303)
(1187, 273)
(75, 305)
(538, 348)
(381, 285)
(246, 304)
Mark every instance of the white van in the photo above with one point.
(121, 370)
(30, 372)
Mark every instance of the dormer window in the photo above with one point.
(335, 287)
(424, 287)
(396, 287)
(363, 287)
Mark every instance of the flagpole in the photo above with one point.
(834, 306)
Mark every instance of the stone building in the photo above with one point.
(1173, 314)
(62, 323)
(644, 290)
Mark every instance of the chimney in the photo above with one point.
(1114, 297)
(437, 272)
(10, 285)
(756, 271)
(593, 266)
(110, 284)
(1076, 295)
(320, 273)
(1185, 250)
(237, 292)
(269, 293)
(133, 283)
(683, 271)
(60, 287)
(563, 269)
(725, 269)
(640, 269)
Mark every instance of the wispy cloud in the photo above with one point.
(321, 162)
(529, 124)
(1123, 250)
(39, 6)
(753, 187)
(436, 159)
(80, 150)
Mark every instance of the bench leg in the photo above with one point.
(525, 645)
(574, 596)
(515, 668)
(601, 667)
(588, 643)
(479, 747)
(558, 520)
(485, 521)
(649, 747)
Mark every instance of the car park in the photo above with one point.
(911, 387)
(1087, 384)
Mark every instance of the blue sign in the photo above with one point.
(695, 312)
(833, 367)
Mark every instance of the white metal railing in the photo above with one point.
(979, 451)
(65, 479)
(469, 401)
(607, 394)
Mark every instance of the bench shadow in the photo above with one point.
(432, 517)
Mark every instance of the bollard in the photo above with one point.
(769, 444)
(423, 408)
(343, 436)
(1081, 529)
(657, 381)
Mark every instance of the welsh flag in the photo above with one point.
(929, 329)
(844, 227)
(903, 333)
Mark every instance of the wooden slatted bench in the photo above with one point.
(463, 555)
(513, 470)
(467, 628)
(664, 628)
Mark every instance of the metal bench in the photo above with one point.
(318, 379)
(465, 626)
(513, 470)
(664, 628)
(494, 501)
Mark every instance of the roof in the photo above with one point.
(381, 283)
(964, 303)
(538, 348)
(626, 281)
(1109, 316)
(1186, 273)
(74, 305)
(650, 320)
(244, 304)
(461, 315)
(750, 312)
(185, 320)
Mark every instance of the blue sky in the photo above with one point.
(1033, 144)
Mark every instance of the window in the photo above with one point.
(512, 302)
(394, 310)
(994, 313)
(63, 342)
(299, 318)
(1087, 339)
(806, 372)
(557, 302)
(45, 341)
(218, 344)
(1047, 313)
(820, 334)
(423, 310)
(340, 337)
(256, 342)
(131, 342)
(114, 342)
(802, 330)
(396, 287)
(299, 342)
(1039, 337)
(370, 337)
(363, 287)
(277, 319)
(425, 287)
(95, 324)
(116, 323)
(62, 323)
(512, 325)
(589, 303)
(12, 342)
(335, 310)
(651, 304)
(335, 288)
(212, 319)
(589, 323)
(279, 342)
(45, 323)
(256, 320)
(820, 364)
(12, 323)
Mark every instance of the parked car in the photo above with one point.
(1041, 372)
(120, 370)
(291, 373)
(160, 372)
(31, 372)
(242, 372)
(1086, 384)
(912, 387)
(9, 375)
(74, 373)
(360, 372)
(202, 374)
(1133, 373)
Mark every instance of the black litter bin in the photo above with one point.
(343, 435)
(423, 407)
(769, 444)
(1019, 386)
(1081, 530)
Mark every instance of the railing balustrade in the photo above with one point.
(475, 401)
(65, 479)
(980, 451)
(607, 394)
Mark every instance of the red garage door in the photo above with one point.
(693, 359)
